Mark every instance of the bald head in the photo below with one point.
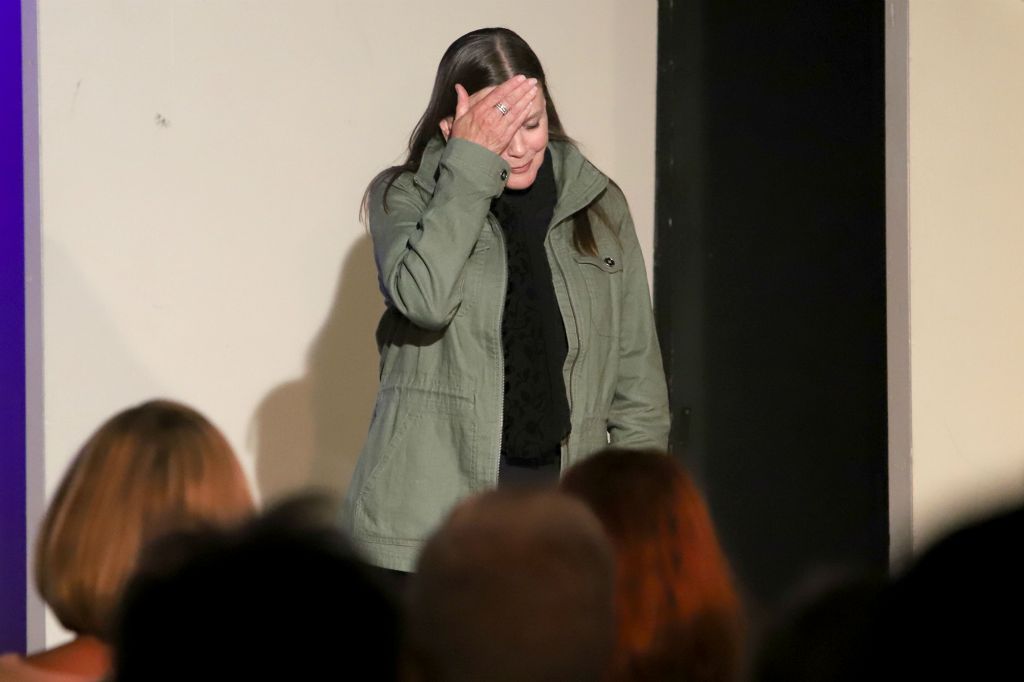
(515, 585)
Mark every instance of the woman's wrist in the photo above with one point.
(476, 163)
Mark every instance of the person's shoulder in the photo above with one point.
(612, 203)
(614, 197)
(391, 184)
(572, 157)
(14, 668)
(575, 168)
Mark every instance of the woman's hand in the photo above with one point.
(479, 119)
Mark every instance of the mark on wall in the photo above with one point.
(161, 121)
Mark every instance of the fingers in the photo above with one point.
(519, 100)
(462, 103)
(502, 92)
(478, 119)
(479, 95)
(518, 114)
(509, 93)
(446, 126)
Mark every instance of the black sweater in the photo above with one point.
(536, 415)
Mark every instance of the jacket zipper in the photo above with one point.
(501, 354)
(555, 220)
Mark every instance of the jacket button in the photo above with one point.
(610, 262)
(504, 175)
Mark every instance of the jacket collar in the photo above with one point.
(578, 181)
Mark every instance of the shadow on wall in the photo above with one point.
(309, 431)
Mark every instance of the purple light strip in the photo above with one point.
(12, 337)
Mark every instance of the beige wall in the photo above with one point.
(965, 176)
(201, 164)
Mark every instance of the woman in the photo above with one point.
(518, 336)
(678, 614)
(152, 469)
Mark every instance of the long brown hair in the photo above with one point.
(481, 58)
(679, 616)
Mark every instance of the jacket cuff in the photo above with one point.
(476, 164)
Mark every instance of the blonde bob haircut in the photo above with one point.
(149, 470)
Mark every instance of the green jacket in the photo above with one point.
(436, 429)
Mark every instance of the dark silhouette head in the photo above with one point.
(950, 614)
(282, 598)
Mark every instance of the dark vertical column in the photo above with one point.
(679, 200)
(770, 276)
(12, 337)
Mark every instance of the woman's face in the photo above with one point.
(525, 152)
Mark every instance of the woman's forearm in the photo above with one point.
(422, 246)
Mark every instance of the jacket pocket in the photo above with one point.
(421, 443)
(603, 275)
(591, 435)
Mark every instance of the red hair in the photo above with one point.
(678, 613)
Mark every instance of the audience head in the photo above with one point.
(515, 585)
(149, 470)
(951, 613)
(823, 632)
(678, 613)
(947, 615)
(284, 597)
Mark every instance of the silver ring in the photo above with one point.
(502, 107)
